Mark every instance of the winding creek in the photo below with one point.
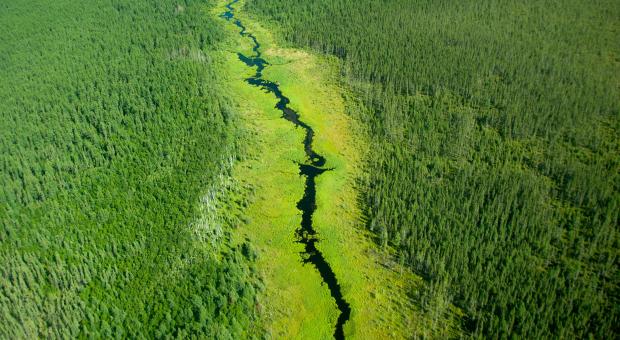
(311, 169)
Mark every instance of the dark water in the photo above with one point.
(313, 167)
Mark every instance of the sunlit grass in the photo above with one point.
(295, 304)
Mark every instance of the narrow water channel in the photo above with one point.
(311, 169)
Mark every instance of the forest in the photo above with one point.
(113, 134)
(493, 167)
(150, 189)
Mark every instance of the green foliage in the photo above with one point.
(494, 166)
(111, 131)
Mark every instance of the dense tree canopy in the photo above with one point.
(494, 165)
(113, 132)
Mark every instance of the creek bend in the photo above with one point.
(311, 169)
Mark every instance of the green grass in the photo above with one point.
(295, 304)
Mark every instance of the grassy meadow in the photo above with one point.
(295, 304)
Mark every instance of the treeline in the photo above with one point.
(494, 166)
(112, 136)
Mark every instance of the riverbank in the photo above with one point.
(295, 304)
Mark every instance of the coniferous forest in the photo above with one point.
(494, 165)
(138, 162)
(113, 129)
